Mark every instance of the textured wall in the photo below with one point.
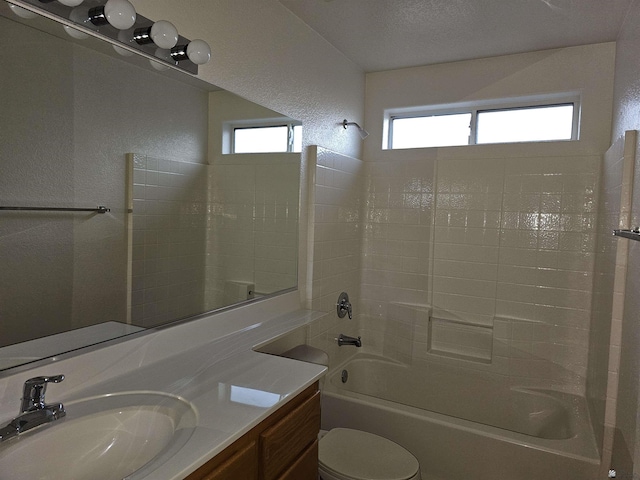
(34, 172)
(626, 100)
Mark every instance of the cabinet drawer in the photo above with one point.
(242, 465)
(282, 443)
(306, 467)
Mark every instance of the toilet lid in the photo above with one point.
(363, 456)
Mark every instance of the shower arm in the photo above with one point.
(363, 133)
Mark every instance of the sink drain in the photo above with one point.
(344, 376)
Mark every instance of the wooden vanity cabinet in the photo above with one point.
(284, 446)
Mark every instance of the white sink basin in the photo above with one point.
(102, 438)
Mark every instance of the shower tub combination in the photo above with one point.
(485, 429)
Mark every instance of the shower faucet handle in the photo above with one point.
(344, 306)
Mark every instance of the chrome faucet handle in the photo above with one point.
(347, 340)
(344, 306)
(34, 390)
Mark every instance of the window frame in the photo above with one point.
(473, 108)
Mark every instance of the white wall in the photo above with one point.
(584, 69)
(609, 285)
(626, 447)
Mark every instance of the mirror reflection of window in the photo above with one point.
(267, 139)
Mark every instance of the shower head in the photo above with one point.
(363, 133)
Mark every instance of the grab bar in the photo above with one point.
(632, 234)
(98, 209)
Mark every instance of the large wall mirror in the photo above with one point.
(192, 227)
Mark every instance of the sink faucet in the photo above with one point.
(346, 340)
(33, 409)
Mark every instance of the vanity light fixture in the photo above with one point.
(119, 14)
(117, 22)
(162, 33)
(197, 51)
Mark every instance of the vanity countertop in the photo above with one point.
(230, 397)
(230, 387)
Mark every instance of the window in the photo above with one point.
(433, 131)
(267, 138)
(528, 120)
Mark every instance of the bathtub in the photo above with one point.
(484, 429)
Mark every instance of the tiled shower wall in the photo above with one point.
(168, 239)
(201, 233)
(253, 221)
(335, 232)
(513, 250)
(396, 247)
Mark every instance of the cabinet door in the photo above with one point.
(243, 465)
(306, 467)
(282, 443)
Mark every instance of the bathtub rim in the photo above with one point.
(582, 446)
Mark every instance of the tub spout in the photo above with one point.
(346, 340)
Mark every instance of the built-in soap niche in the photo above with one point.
(461, 340)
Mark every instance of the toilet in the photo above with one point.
(346, 454)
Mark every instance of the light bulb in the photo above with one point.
(199, 52)
(122, 51)
(163, 54)
(119, 14)
(80, 15)
(72, 32)
(164, 34)
(22, 12)
(158, 66)
(71, 3)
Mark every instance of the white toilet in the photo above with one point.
(346, 454)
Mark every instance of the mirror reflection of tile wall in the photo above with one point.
(168, 239)
(207, 236)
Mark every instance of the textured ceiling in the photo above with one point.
(388, 34)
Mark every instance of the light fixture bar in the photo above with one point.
(134, 34)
